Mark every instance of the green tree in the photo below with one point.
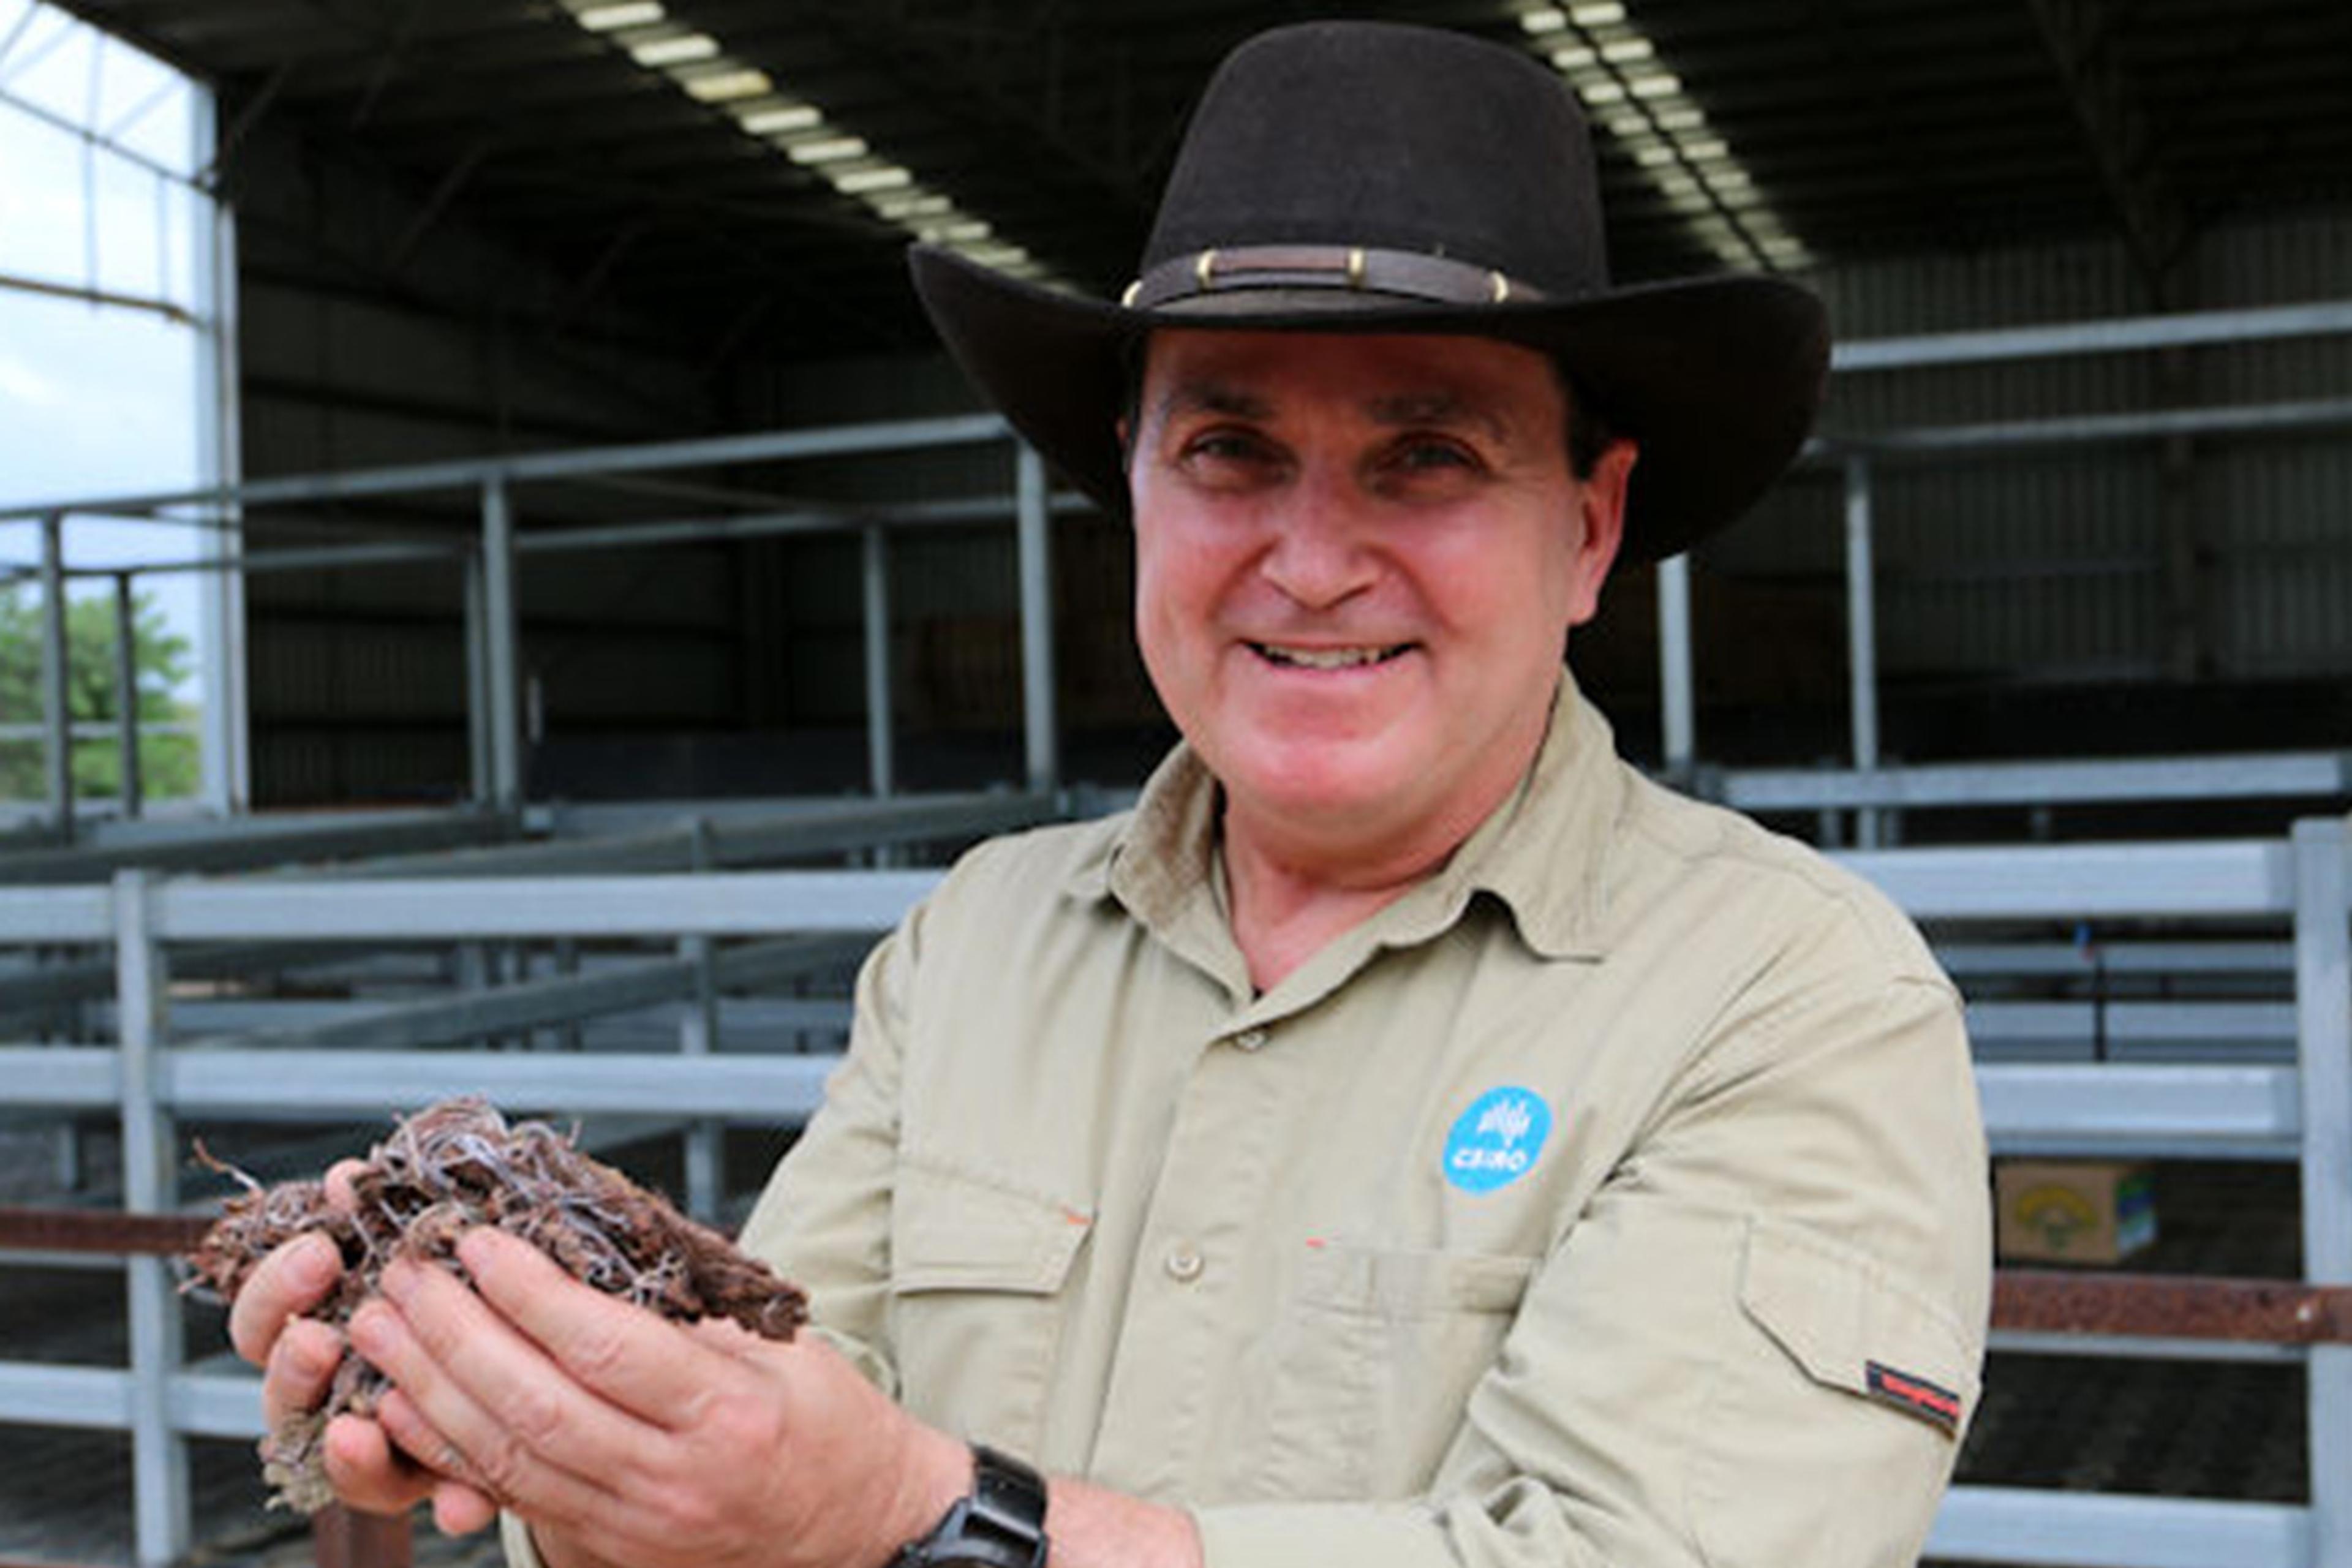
(167, 762)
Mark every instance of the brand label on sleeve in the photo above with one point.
(1936, 1406)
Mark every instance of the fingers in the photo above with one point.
(460, 1507)
(339, 1192)
(367, 1472)
(293, 1279)
(301, 1366)
(637, 1362)
(479, 1400)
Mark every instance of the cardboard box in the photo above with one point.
(2073, 1211)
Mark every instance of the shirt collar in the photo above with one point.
(1544, 851)
(1541, 853)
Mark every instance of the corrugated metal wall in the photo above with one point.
(2230, 557)
(372, 334)
(2226, 559)
(955, 594)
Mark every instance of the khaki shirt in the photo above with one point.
(1617, 1195)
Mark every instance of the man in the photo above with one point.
(1409, 1137)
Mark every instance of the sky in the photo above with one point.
(96, 400)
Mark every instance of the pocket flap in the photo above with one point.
(1394, 1283)
(1852, 1325)
(954, 1230)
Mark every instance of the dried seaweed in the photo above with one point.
(449, 1168)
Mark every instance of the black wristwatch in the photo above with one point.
(1000, 1525)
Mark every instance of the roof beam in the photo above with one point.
(2081, 37)
(1018, 61)
(387, 62)
(396, 260)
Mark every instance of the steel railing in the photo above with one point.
(2299, 1107)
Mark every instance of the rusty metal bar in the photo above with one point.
(340, 1538)
(106, 1231)
(2029, 1300)
(2172, 1306)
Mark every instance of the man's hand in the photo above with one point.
(298, 1356)
(625, 1438)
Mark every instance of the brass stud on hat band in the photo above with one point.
(1354, 268)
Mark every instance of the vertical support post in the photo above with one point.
(572, 1037)
(225, 753)
(2186, 582)
(1678, 695)
(1040, 724)
(501, 644)
(159, 1456)
(341, 1539)
(126, 693)
(56, 712)
(478, 681)
(881, 763)
(697, 1036)
(1861, 636)
(2323, 994)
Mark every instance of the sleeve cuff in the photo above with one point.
(859, 1354)
(1282, 1535)
(514, 1535)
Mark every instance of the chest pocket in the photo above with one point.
(977, 1273)
(1372, 1363)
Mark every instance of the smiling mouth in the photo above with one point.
(1328, 658)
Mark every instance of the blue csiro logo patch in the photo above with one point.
(1497, 1139)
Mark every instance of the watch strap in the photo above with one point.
(1001, 1523)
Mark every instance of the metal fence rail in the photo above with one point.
(2253, 775)
(2300, 1109)
(491, 558)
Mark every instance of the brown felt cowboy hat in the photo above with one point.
(1356, 176)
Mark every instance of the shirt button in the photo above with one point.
(1250, 1039)
(1185, 1263)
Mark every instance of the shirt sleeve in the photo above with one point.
(823, 1221)
(1757, 1346)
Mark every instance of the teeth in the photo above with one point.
(1326, 657)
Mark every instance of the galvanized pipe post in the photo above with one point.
(1039, 723)
(697, 1036)
(478, 681)
(572, 1037)
(126, 693)
(2322, 992)
(502, 649)
(158, 1454)
(56, 712)
(225, 753)
(1861, 636)
(881, 763)
(1678, 695)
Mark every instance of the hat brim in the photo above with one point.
(1717, 378)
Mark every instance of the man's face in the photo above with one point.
(1357, 560)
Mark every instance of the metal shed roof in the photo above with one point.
(1869, 127)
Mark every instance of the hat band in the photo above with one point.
(1357, 268)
